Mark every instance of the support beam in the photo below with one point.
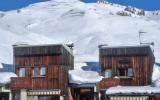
(23, 94)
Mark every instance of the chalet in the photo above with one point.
(126, 69)
(42, 72)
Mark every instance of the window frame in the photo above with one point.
(39, 71)
(19, 72)
(108, 73)
(126, 72)
(34, 71)
(42, 71)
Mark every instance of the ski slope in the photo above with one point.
(72, 21)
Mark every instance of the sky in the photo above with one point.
(7, 5)
(142, 4)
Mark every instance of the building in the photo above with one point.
(7, 68)
(5, 93)
(42, 72)
(128, 66)
(84, 81)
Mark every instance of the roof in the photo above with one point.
(6, 67)
(133, 90)
(81, 76)
(21, 50)
(126, 50)
(85, 85)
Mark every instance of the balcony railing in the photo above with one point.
(109, 82)
(20, 82)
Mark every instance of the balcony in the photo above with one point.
(109, 82)
(20, 82)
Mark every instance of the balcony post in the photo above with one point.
(23, 94)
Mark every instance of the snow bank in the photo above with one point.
(79, 76)
(133, 89)
(156, 75)
(5, 77)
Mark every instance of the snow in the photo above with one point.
(1, 66)
(87, 25)
(5, 77)
(79, 76)
(156, 76)
(133, 89)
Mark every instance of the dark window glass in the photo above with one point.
(124, 61)
(36, 71)
(125, 72)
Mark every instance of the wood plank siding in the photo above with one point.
(139, 58)
(57, 59)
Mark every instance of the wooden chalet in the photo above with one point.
(42, 72)
(125, 66)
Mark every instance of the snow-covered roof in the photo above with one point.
(5, 77)
(124, 46)
(80, 76)
(133, 89)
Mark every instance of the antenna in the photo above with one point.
(140, 34)
(144, 43)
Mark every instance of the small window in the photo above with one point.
(122, 72)
(108, 73)
(130, 72)
(36, 71)
(43, 71)
(125, 72)
(124, 62)
(22, 72)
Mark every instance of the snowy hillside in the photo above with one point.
(72, 21)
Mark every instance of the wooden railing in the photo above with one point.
(20, 82)
(35, 83)
(109, 82)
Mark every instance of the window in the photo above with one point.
(125, 72)
(124, 61)
(39, 71)
(36, 71)
(108, 73)
(43, 71)
(130, 72)
(22, 72)
(122, 72)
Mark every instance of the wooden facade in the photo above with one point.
(55, 59)
(128, 65)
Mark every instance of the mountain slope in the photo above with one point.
(72, 21)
